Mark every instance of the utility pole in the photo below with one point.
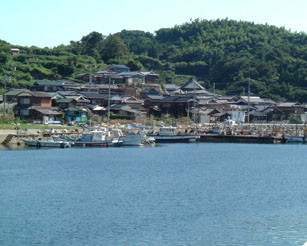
(249, 91)
(194, 99)
(4, 96)
(90, 78)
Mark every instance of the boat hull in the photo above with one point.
(133, 139)
(294, 139)
(176, 139)
(114, 143)
(47, 144)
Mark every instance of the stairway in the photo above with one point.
(8, 138)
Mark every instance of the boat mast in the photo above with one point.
(109, 100)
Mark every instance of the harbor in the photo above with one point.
(118, 135)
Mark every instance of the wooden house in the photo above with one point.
(41, 115)
(28, 99)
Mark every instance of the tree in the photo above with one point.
(91, 44)
(114, 48)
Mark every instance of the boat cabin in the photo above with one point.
(168, 131)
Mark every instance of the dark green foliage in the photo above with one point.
(114, 48)
(225, 52)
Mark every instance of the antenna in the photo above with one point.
(249, 91)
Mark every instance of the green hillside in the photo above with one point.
(226, 53)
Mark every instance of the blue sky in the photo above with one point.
(48, 23)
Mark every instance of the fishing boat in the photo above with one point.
(54, 143)
(171, 134)
(133, 139)
(99, 137)
(294, 139)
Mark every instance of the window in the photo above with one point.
(25, 101)
(24, 112)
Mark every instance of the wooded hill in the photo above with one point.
(226, 53)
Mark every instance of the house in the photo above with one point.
(64, 103)
(118, 68)
(104, 88)
(81, 102)
(274, 114)
(105, 77)
(90, 87)
(124, 111)
(149, 92)
(72, 115)
(174, 105)
(70, 85)
(12, 95)
(172, 89)
(47, 86)
(237, 113)
(290, 109)
(99, 110)
(127, 91)
(133, 78)
(220, 117)
(95, 98)
(132, 100)
(258, 116)
(28, 99)
(193, 87)
(15, 51)
(41, 115)
(152, 78)
(85, 77)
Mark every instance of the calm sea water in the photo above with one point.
(178, 194)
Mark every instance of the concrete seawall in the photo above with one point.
(5, 133)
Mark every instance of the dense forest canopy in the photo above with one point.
(224, 53)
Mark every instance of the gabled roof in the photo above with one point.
(288, 104)
(45, 111)
(154, 97)
(50, 83)
(171, 87)
(15, 92)
(64, 100)
(132, 73)
(34, 94)
(92, 95)
(106, 86)
(119, 66)
(192, 84)
(150, 91)
(253, 99)
(149, 73)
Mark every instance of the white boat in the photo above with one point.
(99, 137)
(171, 134)
(138, 139)
(294, 139)
(135, 135)
(133, 139)
(47, 143)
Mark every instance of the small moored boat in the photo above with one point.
(46, 143)
(170, 134)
